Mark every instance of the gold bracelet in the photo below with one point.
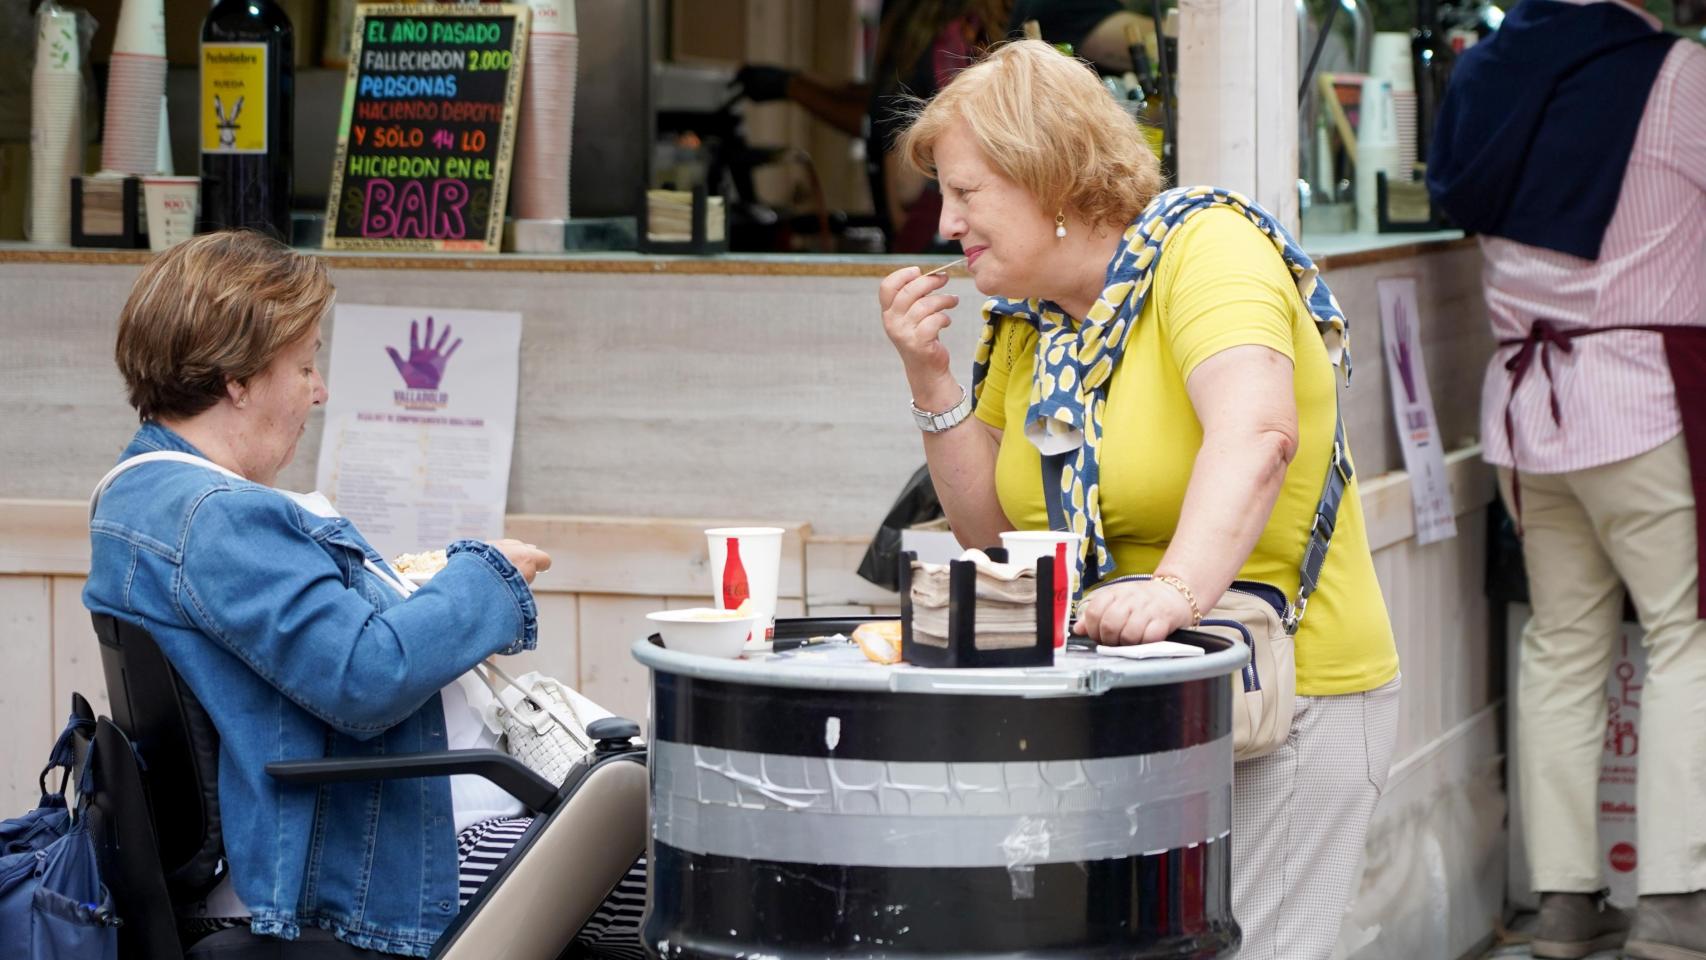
(1183, 588)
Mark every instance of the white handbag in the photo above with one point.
(541, 727)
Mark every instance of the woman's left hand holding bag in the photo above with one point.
(1139, 611)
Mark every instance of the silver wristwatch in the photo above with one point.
(938, 422)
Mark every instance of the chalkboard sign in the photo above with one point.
(428, 128)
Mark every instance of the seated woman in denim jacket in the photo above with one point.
(282, 620)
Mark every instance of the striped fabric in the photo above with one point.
(481, 847)
(1614, 391)
(613, 931)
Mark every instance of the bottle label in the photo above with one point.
(234, 98)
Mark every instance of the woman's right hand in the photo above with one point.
(914, 315)
(526, 557)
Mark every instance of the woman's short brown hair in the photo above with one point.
(213, 309)
(1044, 121)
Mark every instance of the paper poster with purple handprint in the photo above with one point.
(1413, 410)
(420, 424)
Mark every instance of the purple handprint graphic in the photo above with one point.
(425, 366)
(1401, 350)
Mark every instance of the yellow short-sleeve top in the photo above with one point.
(1220, 283)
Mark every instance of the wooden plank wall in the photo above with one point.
(608, 573)
(625, 407)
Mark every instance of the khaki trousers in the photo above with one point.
(1300, 820)
(1587, 534)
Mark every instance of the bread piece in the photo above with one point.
(879, 640)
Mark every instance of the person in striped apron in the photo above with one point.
(1574, 142)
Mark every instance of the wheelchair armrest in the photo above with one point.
(506, 772)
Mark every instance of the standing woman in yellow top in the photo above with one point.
(1201, 451)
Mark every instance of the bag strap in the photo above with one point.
(154, 456)
(64, 754)
(402, 586)
(550, 709)
(1339, 475)
(85, 782)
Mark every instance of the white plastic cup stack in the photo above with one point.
(541, 180)
(136, 87)
(1391, 62)
(1377, 149)
(56, 124)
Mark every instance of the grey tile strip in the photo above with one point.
(868, 813)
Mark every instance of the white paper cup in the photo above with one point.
(1390, 61)
(1026, 547)
(57, 46)
(171, 203)
(552, 17)
(759, 550)
(141, 28)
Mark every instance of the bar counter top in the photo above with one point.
(1330, 252)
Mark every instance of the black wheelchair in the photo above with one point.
(155, 819)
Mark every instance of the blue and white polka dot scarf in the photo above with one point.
(1070, 374)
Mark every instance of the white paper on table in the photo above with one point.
(1150, 651)
(419, 462)
(1413, 408)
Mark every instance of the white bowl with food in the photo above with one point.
(705, 631)
(418, 568)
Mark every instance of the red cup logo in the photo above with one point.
(1622, 857)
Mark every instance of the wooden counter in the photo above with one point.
(1341, 253)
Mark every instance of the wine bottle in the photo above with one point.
(247, 92)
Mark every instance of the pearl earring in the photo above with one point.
(242, 401)
(1060, 225)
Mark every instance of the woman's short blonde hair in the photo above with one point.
(1044, 121)
(215, 308)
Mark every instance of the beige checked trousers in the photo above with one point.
(1587, 534)
(1300, 818)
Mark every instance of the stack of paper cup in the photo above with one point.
(1377, 149)
(541, 180)
(136, 84)
(56, 124)
(1391, 62)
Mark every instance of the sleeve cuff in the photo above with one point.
(518, 588)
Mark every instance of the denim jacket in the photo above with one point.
(297, 651)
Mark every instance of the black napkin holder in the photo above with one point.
(962, 650)
(108, 212)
